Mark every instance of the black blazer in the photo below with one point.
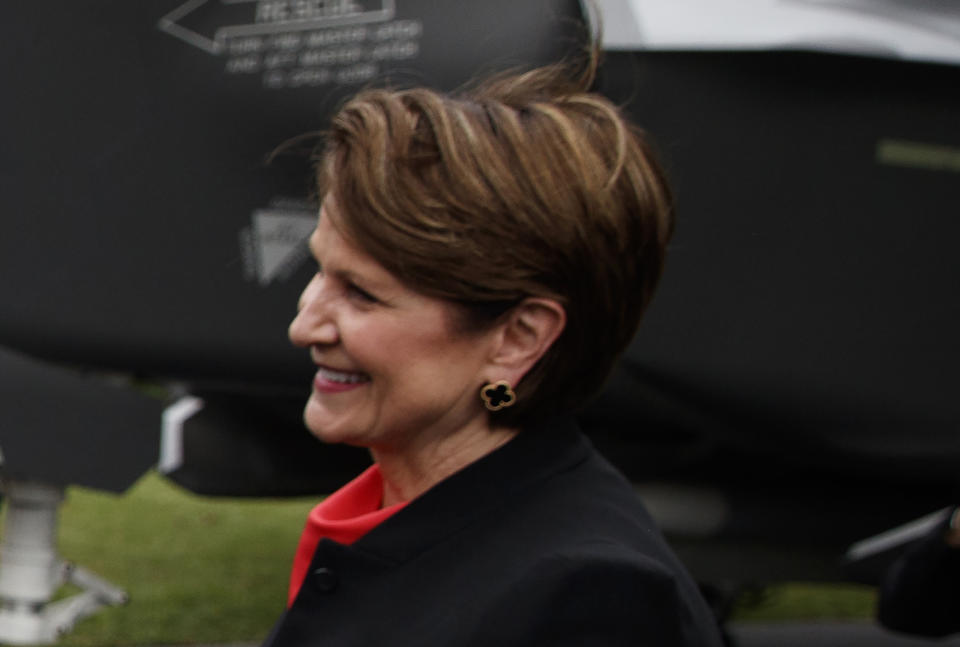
(541, 542)
(920, 593)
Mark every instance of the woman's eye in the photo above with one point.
(361, 294)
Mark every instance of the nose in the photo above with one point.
(314, 323)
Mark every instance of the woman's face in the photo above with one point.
(391, 369)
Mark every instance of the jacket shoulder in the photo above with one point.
(598, 594)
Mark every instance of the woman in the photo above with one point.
(483, 259)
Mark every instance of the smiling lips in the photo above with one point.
(329, 380)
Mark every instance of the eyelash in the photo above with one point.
(354, 289)
(361, 293)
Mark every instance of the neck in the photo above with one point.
(410, 471)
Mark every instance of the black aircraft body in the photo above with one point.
(792, 389)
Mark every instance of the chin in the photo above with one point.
(325, 426)
(328, 435)
(323, 431)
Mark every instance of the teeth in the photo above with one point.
(341, 377)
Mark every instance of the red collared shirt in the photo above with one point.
(344, 517)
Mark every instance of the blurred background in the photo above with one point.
(787, 410)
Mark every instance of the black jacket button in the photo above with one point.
(325, 579)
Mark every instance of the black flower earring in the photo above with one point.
(498, 395)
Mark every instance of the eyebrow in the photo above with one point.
(351, 277)
(361, 280)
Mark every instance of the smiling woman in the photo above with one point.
(393, 372)
(483, 258)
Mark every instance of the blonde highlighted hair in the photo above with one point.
(526, 185)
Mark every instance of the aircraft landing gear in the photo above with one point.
(31, 571)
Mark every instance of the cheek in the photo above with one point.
(413, 354)
(441, 368)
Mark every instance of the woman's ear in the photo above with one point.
(527, 332)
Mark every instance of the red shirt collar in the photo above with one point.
(344, 517)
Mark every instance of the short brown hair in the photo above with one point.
(527, 185)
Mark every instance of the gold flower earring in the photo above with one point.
(497, 395)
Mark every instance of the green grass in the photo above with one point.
(210, 570)
(805, 601)
(197, 569)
